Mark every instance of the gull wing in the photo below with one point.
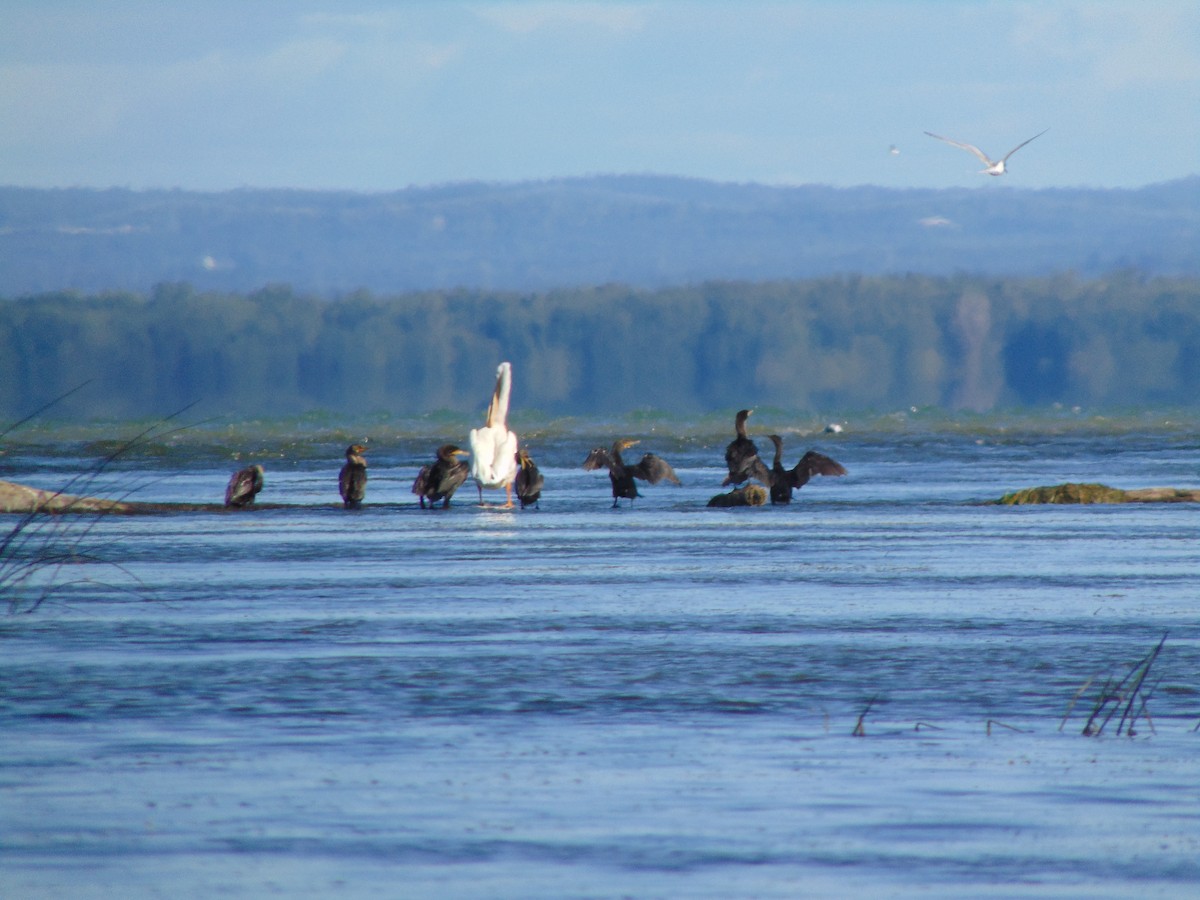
(1019, 146)
(971, 148)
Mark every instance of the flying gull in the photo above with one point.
(991, 167)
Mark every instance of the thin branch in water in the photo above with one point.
(21, 559)
(859, 731)
(37, 412)
(999, 724)
(1071, 706)
(1120, 697)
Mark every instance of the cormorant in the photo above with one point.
(651, 468)
(494, 447)
(784, 481)
(352, 482)
(529, 480)
(244, 486)
(742, 456)
(440, 479)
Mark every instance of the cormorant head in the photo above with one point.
(624, 444)
(355, 450)
(449, 451)
(777, 441)
(523, 458)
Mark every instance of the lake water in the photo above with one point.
(578, 701)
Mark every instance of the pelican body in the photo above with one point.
(244, 487)
(990, 166)
(352, 481)
(741, 456)
(494, 447)
(529, 480)
(440, 479)
(784, 481)
(651, 468)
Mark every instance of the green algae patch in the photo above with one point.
(1097, 493)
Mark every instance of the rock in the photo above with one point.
(750, 495)
(17, 498)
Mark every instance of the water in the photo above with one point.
(578, 701)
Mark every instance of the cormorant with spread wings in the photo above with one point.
(651, 468)
(784, 481)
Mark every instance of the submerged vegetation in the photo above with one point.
(1127, 696)
(857, 343)
(52, 530)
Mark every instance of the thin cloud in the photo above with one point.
(526, 18)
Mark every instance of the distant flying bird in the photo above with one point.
(991, 167)
(352, 480)
(494, 447)
(244, 486)
(894, 150)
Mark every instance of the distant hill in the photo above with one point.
(641, 231)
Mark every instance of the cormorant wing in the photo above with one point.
(422, 481)
(529, 482)
(243, 486)
(597, 459)
(450, 477)
(653, 469)
(820, 464)
(758, 471)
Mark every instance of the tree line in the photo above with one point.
(848, 343)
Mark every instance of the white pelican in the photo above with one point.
(494, 447)
(991, 167)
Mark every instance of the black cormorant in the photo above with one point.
(352, 482)
(529, 480)
(784, 481)
(441, 478)
(742, 456)
(244, 486)
(651, 468)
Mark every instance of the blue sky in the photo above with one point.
(379, 96)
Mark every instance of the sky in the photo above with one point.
(378, 96)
